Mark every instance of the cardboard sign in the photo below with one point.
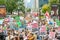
(28, 19)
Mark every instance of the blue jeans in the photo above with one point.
(40, 38)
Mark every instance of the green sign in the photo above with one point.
(58, 22)
(19, 24)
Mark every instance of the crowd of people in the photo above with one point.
(33, 29)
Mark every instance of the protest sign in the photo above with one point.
(35, 14)
(34, 24)
(1, 29)
(52, 35)
(6, 19)
(19, 24)
(43, 29)
(1, 21)
(58, 29)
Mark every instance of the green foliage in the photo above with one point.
(28, 9)
(10, 5)
(45, 8)
(2, 2)
(21, 6)
(53, 1)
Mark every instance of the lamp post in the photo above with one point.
(18, 7)
(59, 10)
(18, 11)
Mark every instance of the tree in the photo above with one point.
(10, 5)
(28, 9)
(45, 8)
(59, 9)
(53, 1)
(2, 2)
(21, 6)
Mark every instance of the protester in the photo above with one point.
(29, 28)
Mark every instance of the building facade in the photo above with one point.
(35, 4)
(42, 2)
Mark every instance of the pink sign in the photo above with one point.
(1, 29)
(58, 28)
(47, 14)
(43, 29)
(35, 14)
(35, 25)
(52, 35)
(29, 24)
(6, 19)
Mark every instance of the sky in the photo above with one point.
(29, 3)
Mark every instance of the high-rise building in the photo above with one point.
(29, 3)
(35, 4)
(42, 2)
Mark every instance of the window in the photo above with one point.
(45, 0)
